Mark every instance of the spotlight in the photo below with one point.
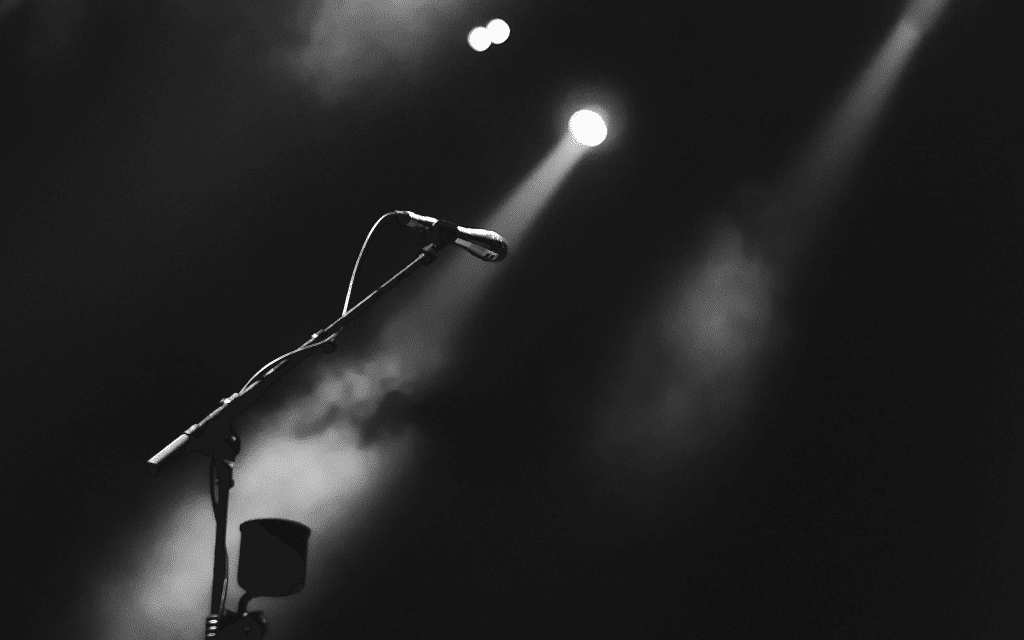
(498, 30)
(479, 39)
(588, 128)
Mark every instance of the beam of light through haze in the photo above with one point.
(155, 578)
(687, 371)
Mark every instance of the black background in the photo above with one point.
(164, 210)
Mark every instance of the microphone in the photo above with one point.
(484, 244)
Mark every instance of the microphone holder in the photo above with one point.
(215, 436)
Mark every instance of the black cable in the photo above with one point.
(214, 480)
(348, 296)
(214, 498)
(352, 280)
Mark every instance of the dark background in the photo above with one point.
(169, 222)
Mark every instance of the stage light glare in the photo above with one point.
(588, 128)
(479, 39)
(498, 30)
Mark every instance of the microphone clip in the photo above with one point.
(440, 234)
(447, 232)
(430, 252)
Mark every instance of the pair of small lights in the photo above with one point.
(495, 32)
(586, 126)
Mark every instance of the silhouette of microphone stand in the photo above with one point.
(272, 556)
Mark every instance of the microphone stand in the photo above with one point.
(215, 436)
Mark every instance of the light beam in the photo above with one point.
(688, 369)
(309, 460)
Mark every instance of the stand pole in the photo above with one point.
(222, 463)
(215, 436)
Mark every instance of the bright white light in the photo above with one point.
(479, 39)
(588, 128)
(498, 30)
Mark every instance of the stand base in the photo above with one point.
(248, 626)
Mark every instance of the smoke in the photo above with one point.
(689, 367)
(157, 583)
(712, 332)
(336, 48)
(370, 39)
(330, 457)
